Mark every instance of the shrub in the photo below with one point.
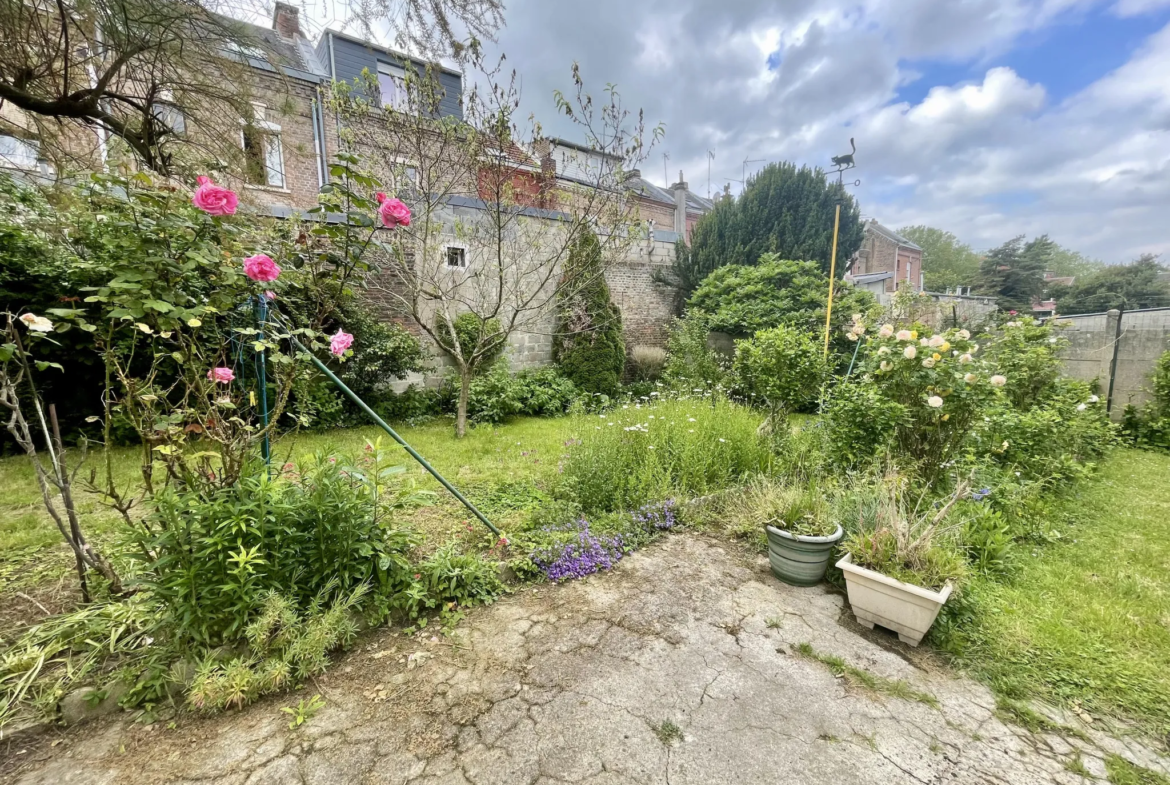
(647, 362)
(1149, 426)
(782, 367)
(497, 395)
(449, 578)
(311, 536)
(382, 352)
(1027, 354)
(588, 347)
(545, 392)
(743, 300)
(986, 537)
(859, 423)
(690, 362)
(472, 334)
(414, 404)
(1055, 438)
(684, 445)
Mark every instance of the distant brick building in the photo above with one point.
(885, 262)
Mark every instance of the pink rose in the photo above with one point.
(214, 199)
(261, 268)
(392, 211)
(270, 295)
(340, 342)
(220, 375)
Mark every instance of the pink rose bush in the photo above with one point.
(392, 211)
(261, 268)
(340, 342)
(221, 375)
(214, 199)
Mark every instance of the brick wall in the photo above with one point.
(288, 103)
(646, 305)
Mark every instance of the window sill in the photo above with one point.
(272, 189)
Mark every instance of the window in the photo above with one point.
(18, 153)
(170, 117)
(263, 151)
(456, 257)
(392, 83)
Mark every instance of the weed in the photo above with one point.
(773, 623)
(667, 732)
(1025, 716)
(303, 711)
(1077, 766)
(894, 688)
(1122, 772)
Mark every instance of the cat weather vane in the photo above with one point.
(841, 163)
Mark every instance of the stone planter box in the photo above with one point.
(906, 609)
(800, 560)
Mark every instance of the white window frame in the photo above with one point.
(29, 151)
(272, 148)
(462, 249)
(396, 75)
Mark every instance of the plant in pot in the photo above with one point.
(801, 534)
(901, 565)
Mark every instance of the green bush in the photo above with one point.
(690, 363)
(743, 300)
(413, 405)
(311, 536)
(859, 423)
(685, 446)
(545, 392)
(1027, 354)
(1149, 426)
(588, 347)
(782, 367)
(986, 537)
(472, 334)
(382, 352)
(497, 395)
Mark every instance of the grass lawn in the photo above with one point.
(499, 468)
(1085, 622)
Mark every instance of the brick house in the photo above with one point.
(676, 209)
(885, 262)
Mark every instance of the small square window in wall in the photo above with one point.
(456, 257)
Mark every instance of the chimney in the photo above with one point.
(680, 206)
(286, 21)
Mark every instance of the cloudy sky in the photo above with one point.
(988, 118)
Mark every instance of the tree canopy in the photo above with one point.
(946, 262)
(1014, 272)
(1124, 286)
(784, 210)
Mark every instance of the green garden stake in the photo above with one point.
(855, 348)
(262, 380)
(394, 435)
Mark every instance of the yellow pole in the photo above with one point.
(832, 275)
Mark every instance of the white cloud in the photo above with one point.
(986, 159)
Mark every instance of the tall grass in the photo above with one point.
(644, 452)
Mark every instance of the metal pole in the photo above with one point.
(262, 380)
(382, 424)
(832, 275)
(1113, 362)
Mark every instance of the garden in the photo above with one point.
(195, 515)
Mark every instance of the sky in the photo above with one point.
(986, 118)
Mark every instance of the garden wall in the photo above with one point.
(1137, 337)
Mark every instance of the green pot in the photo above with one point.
(799, 560)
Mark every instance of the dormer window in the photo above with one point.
(392, 83)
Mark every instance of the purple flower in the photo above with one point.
(657, 516)
(585, 554)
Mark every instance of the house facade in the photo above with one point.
(885, 263)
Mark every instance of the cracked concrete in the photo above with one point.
(567, 684)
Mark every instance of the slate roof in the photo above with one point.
(891, 234)
(647, 189)
(280, 52)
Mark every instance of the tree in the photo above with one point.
(588, 345)
(946, 262)
(743, 300)
(784, 210)
(490, 233)
(129, 69)
(1124, 286)
(1014, 272)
